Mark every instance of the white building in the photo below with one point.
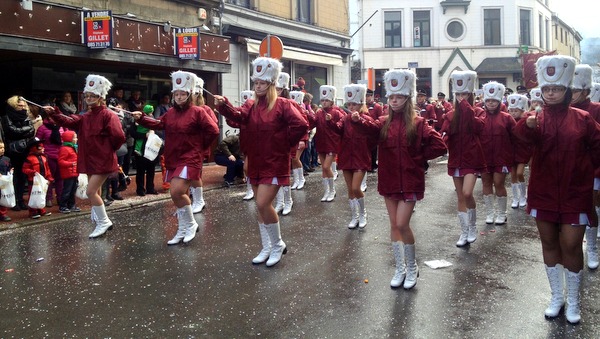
(435, 37)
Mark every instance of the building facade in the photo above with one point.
(437, 37)
(44, 51)
(314, 34)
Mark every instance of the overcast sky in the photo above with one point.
(583, 15)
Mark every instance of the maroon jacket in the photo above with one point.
(401, 166)
(522, 150)
(594, 109)
(188, 134)
(67, 162)
(268, 135)
(464, 147)
(496, 138)
(327, 140)
(566, 151)
(427, 111)
(375, 110)
(100, 135)
(355, 150)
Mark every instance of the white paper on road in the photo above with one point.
(440, 263)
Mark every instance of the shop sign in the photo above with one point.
(187, 41)
(97, 29)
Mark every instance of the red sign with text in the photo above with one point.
(97, 29)
(187, 42)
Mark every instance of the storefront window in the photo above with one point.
(314, 77)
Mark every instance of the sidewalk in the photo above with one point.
(212, 177)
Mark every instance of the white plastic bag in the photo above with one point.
(37, 196)
(82, 184)
(7, 191)
(153, 145)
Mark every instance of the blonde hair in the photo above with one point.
(14, 100)
(199, 101)
(408, 114)
(270, 97)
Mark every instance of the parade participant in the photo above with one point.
(595, 92)
(355, 154)
(18, 127)
(309, 116)
(375, 111)
(272, 125)
(197, 186)
(461, 128)
(327, 141)
(425, 109)
(537, 101)
(189, 130)
(284, 201)
(566, 146)
(517, 108)
(441, 107)
(497, 146)
(582, 85)
(100, 136)
(406, 142)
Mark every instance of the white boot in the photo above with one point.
(287, 200)
(523, 199)
(278, 247)
(591, 247)
(363, 183)
(598, 214)
(279, 200)
(354, 208)
(334, 170)
(516, 187)
(296, 179)
(412, 269)
(501, 210)
(489, 208)
(103, 224)
(191, 226)
(331, 195)
(463, 219)
(326, 187)
(472, 217)
(249, 192)
(181, 228)
(400, 273)
(556, 277)
(362, 213)
(266, 246)
(197, 199)
(572, 312)
(301, 179)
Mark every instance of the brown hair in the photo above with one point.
(408, 114)
(456, 115)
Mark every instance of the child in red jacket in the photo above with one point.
(36, 162)
(67, 165)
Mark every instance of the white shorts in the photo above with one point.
(596, 184)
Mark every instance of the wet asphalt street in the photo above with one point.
(333, 283)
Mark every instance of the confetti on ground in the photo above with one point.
(366, 281)
(9, 270)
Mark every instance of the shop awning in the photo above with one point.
(300, 54)
(499, 66)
